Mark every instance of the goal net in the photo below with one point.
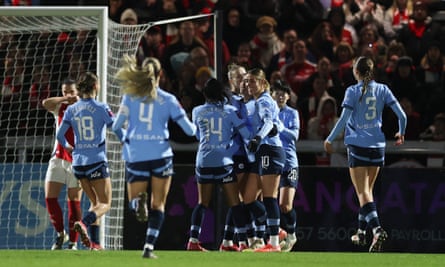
(123, 39)
(39, 48)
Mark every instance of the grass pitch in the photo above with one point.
(84, 258)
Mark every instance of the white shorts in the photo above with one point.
(60, 171)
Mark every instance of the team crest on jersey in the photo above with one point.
(241, 166)
(160, 100)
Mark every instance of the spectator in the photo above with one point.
(206, 34)
(296, 72)
(202, 75)
(184, 42)
(189, 96)
(301, 15)
(147, 10)
(170, 9)
(369, 37)
(253, 10)
(360, 13)
(178, 60)
(319, 127)
(414, 121)
(431, 72)
(13, 96)
(85, 48)
(152, 44)
(343, 31)
(115, 9)
(76, 67)
(309, 105)
(420, 32)
(276, 76)
(342, 66)
(397, 15)
(436, 131)
(394, 52)
(129, 17)
(432, 66)
(324, 69)
(396, 48)
(404, 83)
(285, 55)
(244, 57)
(321, 43)
(234, 30)
(265, 43)
(200, 58)
(40, 89)
(14, 71)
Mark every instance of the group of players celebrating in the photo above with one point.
(247, 143)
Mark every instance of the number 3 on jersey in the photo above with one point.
(371, 113)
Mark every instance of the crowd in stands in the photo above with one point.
(309, 44)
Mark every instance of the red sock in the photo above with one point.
(74, 214)
(55, 213)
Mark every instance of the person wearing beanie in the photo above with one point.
(129, 17)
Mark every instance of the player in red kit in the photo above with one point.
(60, 173)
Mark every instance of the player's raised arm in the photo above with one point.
(69, 96)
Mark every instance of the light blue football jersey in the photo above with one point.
(147, 134)
(89, 119)
(264, 117)
(289, 135)
(364, 126)
(217, 125)
(238, 142)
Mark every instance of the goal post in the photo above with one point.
(39, 38)
(39, 47)
(125, 39)
(101, 13)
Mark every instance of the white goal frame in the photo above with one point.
(108, 60)
(102, 28)
(100, 12)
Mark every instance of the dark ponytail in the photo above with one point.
(86, 82)
(365, 69)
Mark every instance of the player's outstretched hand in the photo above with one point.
(400, 139)
(328, 147)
